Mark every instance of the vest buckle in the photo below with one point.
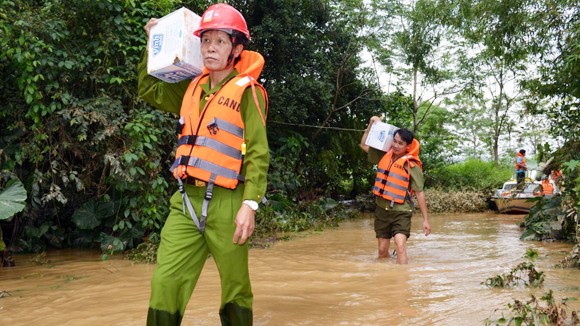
(213, 128)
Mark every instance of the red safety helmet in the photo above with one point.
(224, 17)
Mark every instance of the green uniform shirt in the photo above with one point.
(417, 182)
(168, 97)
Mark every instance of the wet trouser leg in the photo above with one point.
(231, 260)
(180, 258)
(182, 254)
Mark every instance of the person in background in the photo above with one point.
(221, 165)
(547, 187)
(556, 176)
(399, 176)
(521, 169)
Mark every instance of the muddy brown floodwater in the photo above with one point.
(326, 278)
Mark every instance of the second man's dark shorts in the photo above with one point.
(390, 222)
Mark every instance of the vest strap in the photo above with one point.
(219, 146)
(186, 140)
(182, 160)
(207, 198)
(186, 202)
(258, 103)
(220, 124)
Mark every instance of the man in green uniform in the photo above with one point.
(392, 219)
(228, 213)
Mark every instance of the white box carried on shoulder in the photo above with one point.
(381, 136)
(174, 52)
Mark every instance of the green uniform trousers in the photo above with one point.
(183, 251)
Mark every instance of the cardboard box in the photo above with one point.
(381, 136)
(174, 52)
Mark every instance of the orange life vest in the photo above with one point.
(211, 144)
(522, 165)
(393, 179)
(547, 187)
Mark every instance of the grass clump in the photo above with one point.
(441, 201)
(145, 252)
(543, 311)
(525, 273)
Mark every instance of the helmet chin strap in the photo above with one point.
(230, 59)
(231, 56)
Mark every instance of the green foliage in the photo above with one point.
(90, 214)
(145, 252)
(322, 92)
(557, 22)
(286, 163)
(525, 273)
(472, 174)
(544, 311)
(75, 132)
(472, 124)
(531, 254)
(544, 220)
(438, 144)
(12, 199)
(557, 217)
(412, 34)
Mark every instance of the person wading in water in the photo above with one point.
(399, 176)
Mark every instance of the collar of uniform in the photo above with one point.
(206, 87)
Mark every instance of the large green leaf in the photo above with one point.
(12, 199)
(91, 213)
(111, 243)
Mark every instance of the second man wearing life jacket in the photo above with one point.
(399, 178)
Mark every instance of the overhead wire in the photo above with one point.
(313, 126)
